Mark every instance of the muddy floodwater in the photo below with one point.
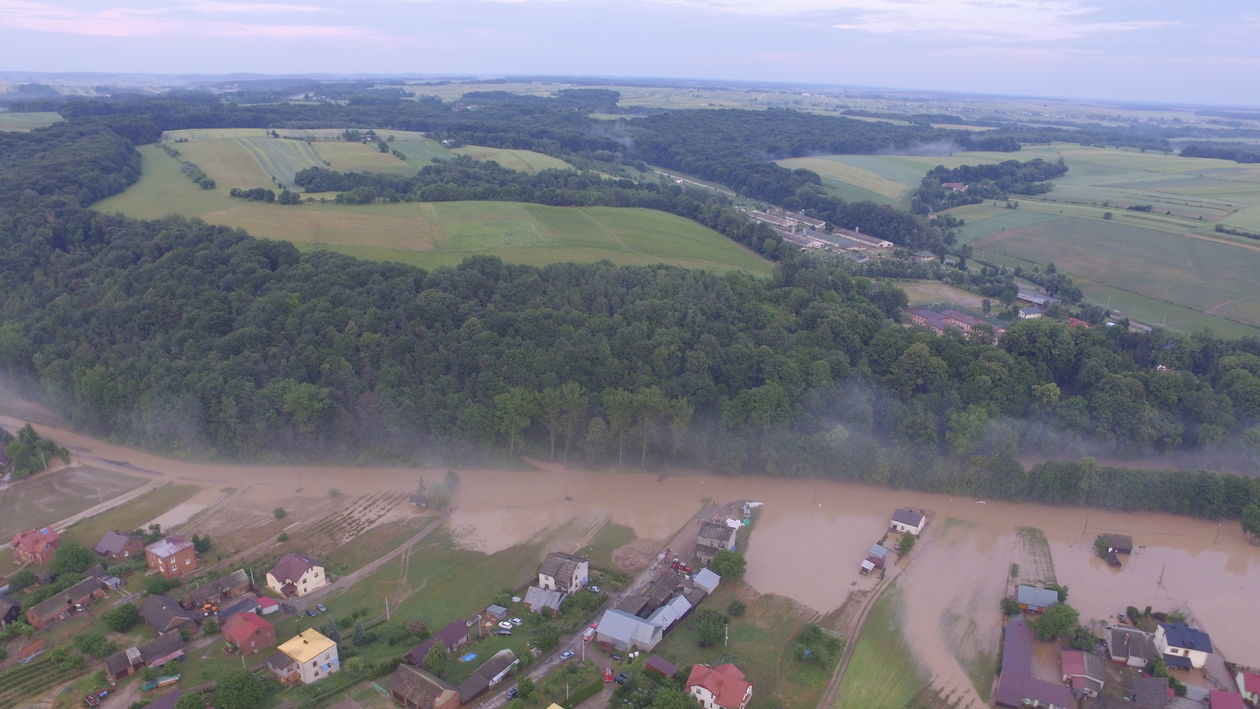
(811, 536)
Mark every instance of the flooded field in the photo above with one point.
(812, 535)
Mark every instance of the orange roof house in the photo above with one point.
(249, 632)
(35, 546)
(721, 687)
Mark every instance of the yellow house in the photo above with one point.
(313, 656)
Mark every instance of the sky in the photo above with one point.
(1179, 51)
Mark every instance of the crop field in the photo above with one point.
(882, 671)
(850, 182)
(421, 151)
(444, 233)
(224, 159)
(27, 121)
(522, 160)
(1213, 275)
(360, 157)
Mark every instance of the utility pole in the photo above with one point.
(1218, 533)
(1086, 525)
(1160, 583)
(386, 609)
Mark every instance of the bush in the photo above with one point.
(22, 580)
(1010, 606)
(122, 618)
(279, 513)
(72, 558)
(736, 609)
(284, 537)
(157, 585)
(729, 565)
(210, 627)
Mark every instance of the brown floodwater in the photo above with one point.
(812, 535)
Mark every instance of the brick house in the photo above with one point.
(117, 546)
(249, 632)
(172, 556)
(35, 546)
(66, 603)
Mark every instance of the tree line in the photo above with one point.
(984, 182)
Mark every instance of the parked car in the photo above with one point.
(513, 692)
(566, 655)
(516, 621)
(506, 625)
(616, 657)
(593, 589)
(621, 678)
(288, 608)
(502, 632)
(311, 612)
(320, 607)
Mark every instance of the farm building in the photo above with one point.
(1182, 646)
(714, 537)
(163, 614)
(497, 612)
(1033, 298)
(312, 657)
(961, 320)
(249, 632)
(66, 603)
(246, 605)
(35, 546)
(414, 688)
(928, 318)
(1030, 312)
(619, 630)
(770, 219)
(536, 599)
(215, 592)
(453, 636)
(117, 546)
(1083, 672)
(874, 558)
(152, 653)
(166, 701)
(487, 676)
(669, 614)
(296, 575)
(1225, 700)
(172, 556)
(660, 666)
(1129, 645)
(924, 256)
(418, 499)
(707, 580)
(10, 610)
(908, 520)
(1017, 687)
(1109, 545)
(802, 220)
(721, 687)
(1035, 599)
(1249, 685)
(563, 572)
(859, 237)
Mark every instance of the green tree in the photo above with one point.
(22, 580)
(278, 513)
(730, 565)
(548, 638)
(438, 659)
(331, 631)
(737, 609)
(515, 410)
(72, 558)
(673, 698)
(525, 688)
(1010, 606)
(710, 626)
(201, 544)
(210, 626)
(241, 689)
(359, 636)
(190, 701)
(1251, 521)
(906, 544)
(1057, 621)
(573, 407)
(94, 644)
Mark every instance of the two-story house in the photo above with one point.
(249, 632)
(171, 556)
(563, 572)
(35, 546)
(307, 657)
(1182, 646)
(714, 537)
(296, 575)
(721, 687)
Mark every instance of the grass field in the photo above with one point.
(850, 182)
(523, 160)
(435, 234)
(358, 157)
(761, 644)
(27, 121)
(422, 151)
(607, 540)
(132, 515)
(882, 673)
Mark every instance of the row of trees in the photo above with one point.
(984, 182)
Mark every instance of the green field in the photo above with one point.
(444, 233)
(422, 151)
(360, 157)
(523, 160)
(27, 121)
(882, 673)
(850, 182)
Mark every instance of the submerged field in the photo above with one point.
(444, 233)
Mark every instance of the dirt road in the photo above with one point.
(854, 630)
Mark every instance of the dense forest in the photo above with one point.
(982, 182)
(180, 335)
(1238, 152)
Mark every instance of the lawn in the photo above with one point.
(523, 160)
(444, 233)
(937, 293)
(27, 121)
(882, 672)
(608, 539)
(422, 151)
(761, 644)
(1205, 273)
(50, 497)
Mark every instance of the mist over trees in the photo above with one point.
(178, 334)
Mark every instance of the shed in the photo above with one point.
(669, 614)
(1128, 645)
(536, 599)
(497, 612)
(1034, 599)
(706, 579)
(414, 688)
(660, 666)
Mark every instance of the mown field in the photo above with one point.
(27, 121)
(445, 233)
(522, 160)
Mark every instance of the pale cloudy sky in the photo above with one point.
(1172, 50)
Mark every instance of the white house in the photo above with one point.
(314, 655)
(908, 520)
(721, 687)
(563, 572)
(295, 575)
(1182, 646)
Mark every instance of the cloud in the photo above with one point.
(1005, 20)
(175, 20)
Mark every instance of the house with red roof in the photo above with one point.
(249, 632)
(35, 546)
(1249, 685)
(1225, 700)
(721, 687)
(1083, 671)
